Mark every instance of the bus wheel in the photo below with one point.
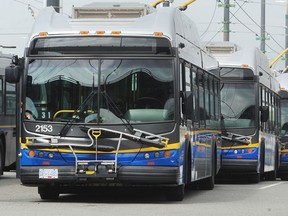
(2, 157)
(284, 178)
(255, 178)
(176, 193)
(271, 176)
(48, 193)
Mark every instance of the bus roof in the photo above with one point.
(164, 19)
(248, 57)
(170, 21)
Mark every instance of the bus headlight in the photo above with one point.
(50, 155)
(146, 155)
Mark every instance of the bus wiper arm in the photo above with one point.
(117, 111)
(237, 138)
(78, 112)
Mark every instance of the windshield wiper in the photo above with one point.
(78, 112)
(237, 138)
(115, 109)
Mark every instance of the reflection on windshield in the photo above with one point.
(101, 91)
(284, 118)
(238, 104)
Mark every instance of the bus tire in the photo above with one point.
(2, 157)
(255, 178)
(48, 193)
(284, 178)
(176, 193)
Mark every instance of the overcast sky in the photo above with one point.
(16, 21)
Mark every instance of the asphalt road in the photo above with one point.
(229, 198)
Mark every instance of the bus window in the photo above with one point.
(10, 99)
(1, 96)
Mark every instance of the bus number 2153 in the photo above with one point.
(43, 128)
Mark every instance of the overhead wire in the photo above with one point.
(234, 16)
(206, 30)
(221, 29)
(259, 26)
(27, 4)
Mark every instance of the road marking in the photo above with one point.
(272, 185)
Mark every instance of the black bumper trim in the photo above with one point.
(283, 169)
(239, 166)
(136, 175)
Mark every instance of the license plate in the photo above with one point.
(48, 173)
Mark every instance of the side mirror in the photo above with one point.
(12, 74)
(14, 71)
(187, 103)
(264, 113)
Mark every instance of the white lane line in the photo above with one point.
(272, 185)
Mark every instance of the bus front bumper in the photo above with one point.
(66, 175)
(239, 166)
(283, 170)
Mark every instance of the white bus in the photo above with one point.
(7, 118)
(117, 102)
(250, 109)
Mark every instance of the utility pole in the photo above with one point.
(226, 29)
(262, 37)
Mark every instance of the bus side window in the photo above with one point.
(10, 100)
(1, 96)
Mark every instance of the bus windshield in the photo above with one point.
(100, 91)
(238, 105)
(284, 118)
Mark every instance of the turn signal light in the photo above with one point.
(167, 154)
(31, 153)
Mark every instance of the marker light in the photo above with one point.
(31, 153)
(250, 150)
(245, 65)
(116, 32)
(84, 32)
(100, 32)
(158, 34)
(43, 34)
